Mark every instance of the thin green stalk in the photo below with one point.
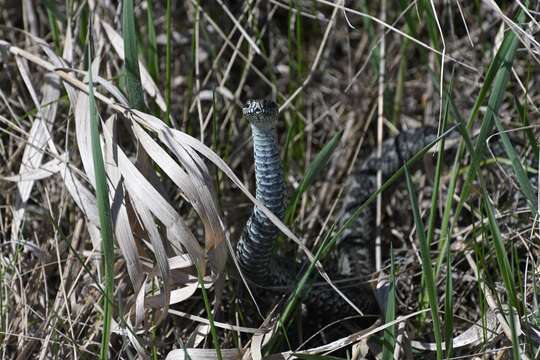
(103, 206)
(523, 180)
(389, 340)
(431, 22)
(411, 20)
(314, 169)
(209, 314)
(524, 118)
(52, 16)
(427, 269)
(294, 145)
(448, 306)
(298, 292)
(504, 269)
(371, 33)
(151, 53)
(84, 24)
(435, 195)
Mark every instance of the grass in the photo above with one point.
(389, 340)
(123, 188)
(103, 208)
(427, 269)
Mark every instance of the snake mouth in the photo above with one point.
(261, 112)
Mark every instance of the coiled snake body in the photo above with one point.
(355, 248)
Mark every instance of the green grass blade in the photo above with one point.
(523, 180)
(523, 117)
(504, 269)
(448, 305)
(437, 180)
(151, 53)
(298, 293)
(301, 290)
(287, 147)
(502, 259)
(427, 269)
(389, 340)
(500, 71)
(371, 32)
(410, 19)
(209, 314)
(431, 23)
(107, 247)
(496, 75)
(424, 301)
(134, 89)
(84, 24)
(314, 169)
(52, 16)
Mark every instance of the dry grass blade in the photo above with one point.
(191, 185)
(221, 325)
(82, 127)
(158, 248)
(174, 297)
(84, 199)
(195, 189)
(474, 335)
(122, 227)
(140, 188)
(202, 354)
(38, 138)
(39, 173)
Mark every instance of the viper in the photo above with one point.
(355, 248)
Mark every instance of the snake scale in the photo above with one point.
(356, 245)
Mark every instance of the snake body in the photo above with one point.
(355, 247)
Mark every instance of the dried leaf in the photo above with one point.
(202, 354)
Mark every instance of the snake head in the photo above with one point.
(261, 113)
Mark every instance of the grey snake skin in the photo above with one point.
(355, 247)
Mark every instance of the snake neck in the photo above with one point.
(255, 246)
(270, 187)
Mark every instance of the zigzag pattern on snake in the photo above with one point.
(355, 247)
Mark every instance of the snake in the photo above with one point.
(355, 247)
